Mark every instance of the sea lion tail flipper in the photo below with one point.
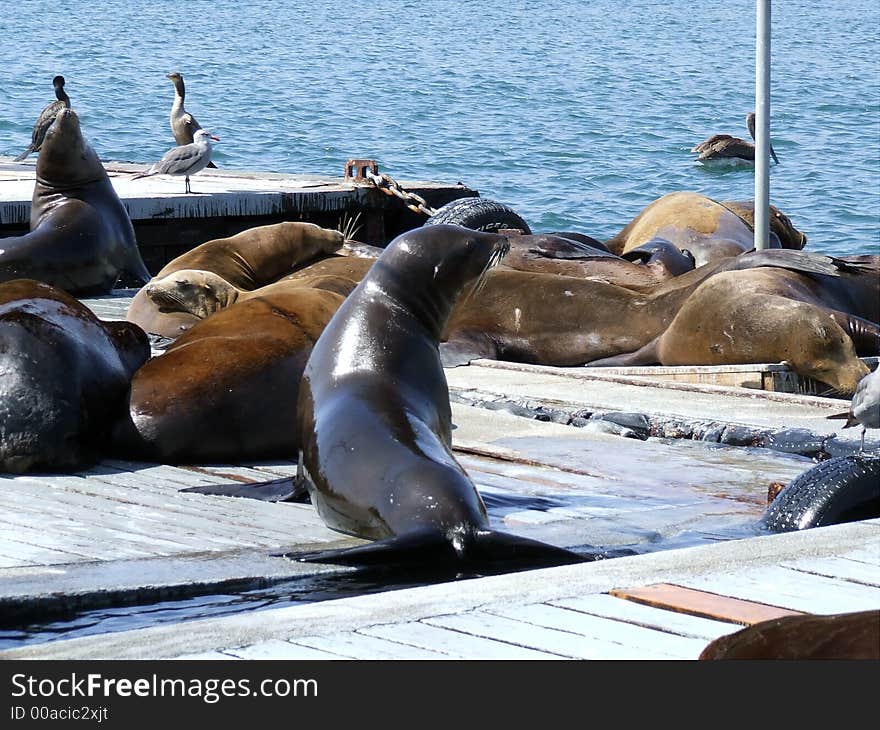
(461, 350)
(486, 549)
(645, 355)
(286, 489)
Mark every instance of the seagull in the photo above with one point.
(183, 124)
(723, 147)
(47, 116)
(186, 160)
(865, 408)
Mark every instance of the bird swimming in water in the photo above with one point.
(184, 160)
(865, 408)
(183, 124)
(725, 148)
(47, 116)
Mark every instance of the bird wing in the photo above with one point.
(730, 147)
(44, 121)
(178, 159)
(707, 143)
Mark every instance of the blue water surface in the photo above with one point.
(576, 114)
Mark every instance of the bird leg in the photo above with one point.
(187, 184)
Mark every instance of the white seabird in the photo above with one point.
(186, 160)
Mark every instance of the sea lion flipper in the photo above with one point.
(287, 489)
(646, 355)
(462, 351)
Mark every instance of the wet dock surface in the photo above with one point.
(121, 541)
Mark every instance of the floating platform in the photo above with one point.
(168, 222)
(119, 546)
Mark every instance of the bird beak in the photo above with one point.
(217, 139)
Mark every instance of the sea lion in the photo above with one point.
(347, 267)
(726, 322)
(81, 238)
(560, 320)
(708, 229)
(248, 260)
(202, 293)
(63, 377)
(226, 390)
(780, 224)
(854, 635)
(374, 415)
(644, 266)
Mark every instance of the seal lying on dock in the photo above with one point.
(81, 238)
(708, 229)
(564, 321)
(375, 420)
(226, 390)
(248, 260)
(854, 635)
(63, 377)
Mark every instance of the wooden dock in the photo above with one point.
(122, 533)
(168, 222)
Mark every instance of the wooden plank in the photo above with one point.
(530, 636)
(841, 568)
(455, 644)
(277, 649)
(204, 656)
(639, 614)
(792, 589)
(702, 603)
(356, 645)
(605, 630)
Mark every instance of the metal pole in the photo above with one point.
(762, 125)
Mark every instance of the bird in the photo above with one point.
(183, 124)
(47, 116)
(725, 148)
(865, 407)
(186, 160)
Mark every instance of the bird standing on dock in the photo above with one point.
(47, 116)
(865, 408)
(725, 148)
(183, 124)
(184, 160)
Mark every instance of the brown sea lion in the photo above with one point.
(563, 321)
(739, 317)
(247, 260)
(708, 229)
(854, 635)
(226, 390)
(780, 224)
(347, 267)
(63, 377)
(81, 238)
(202, 293)
(375, 420)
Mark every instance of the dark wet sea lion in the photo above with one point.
(556, 320)
(375, 420)
(648, 265)
(726, 321)
(854, 635)
(708, 229)
(63, 377)
(226, 390)
(248, 260)
(81, 238)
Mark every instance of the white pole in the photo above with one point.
(762, 125)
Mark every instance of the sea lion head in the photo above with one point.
(66, 158)
(198, 292)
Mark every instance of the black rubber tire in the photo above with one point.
(480, 214)
(842, 489)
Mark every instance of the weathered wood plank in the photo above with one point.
(603, 630)
(531, 636)
(792, 589)
(277, 649)
(842, 568)
(702, 603)
(455, 644)
(363, 646)
(602, 604)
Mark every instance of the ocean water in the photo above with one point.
(576, 114)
